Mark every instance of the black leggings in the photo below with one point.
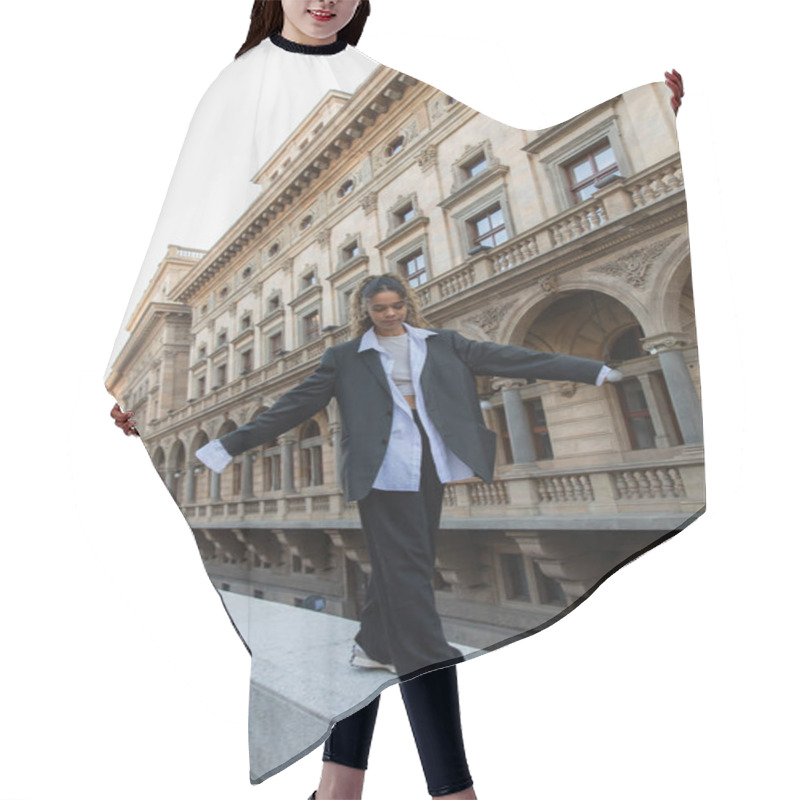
(432, 706)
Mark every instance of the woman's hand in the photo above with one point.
(675, 82)
(124, 420)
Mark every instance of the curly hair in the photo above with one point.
(360, 321)
(266, 18)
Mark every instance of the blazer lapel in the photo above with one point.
(372, 358)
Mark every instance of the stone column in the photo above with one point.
(657, 412)
(247, 475)
(287, 443)
(519, 429)
(215, 486)
(684, 397)
(191, 483)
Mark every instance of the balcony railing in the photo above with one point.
(647, 487)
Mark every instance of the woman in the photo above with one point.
(410, 422)
(407, 399)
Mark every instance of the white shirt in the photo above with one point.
(401, 467)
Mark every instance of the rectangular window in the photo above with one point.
(237, 477)
(308, 280)
(632, 399)
(475, 166)
(271, 472)
(246, 322)
(344, 303)
(311, 326)
(221, 375)
(246, 362)
(404, 214)
(515, 581)
(413, 268)
(539, 431)
(585, 172)
(350, 251)
(488, 228)
(201, 386)
(276, 345)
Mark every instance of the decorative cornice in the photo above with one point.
(359, 113)
(552, 134)
(401, 231)
(472, 185)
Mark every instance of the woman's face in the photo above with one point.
(315, 21)
(388, 311)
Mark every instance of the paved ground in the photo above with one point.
(292, 701)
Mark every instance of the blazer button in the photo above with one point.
(384, 441)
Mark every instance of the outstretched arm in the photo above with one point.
(509, 361)
(296, 406)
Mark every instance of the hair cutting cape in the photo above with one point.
(305, 170)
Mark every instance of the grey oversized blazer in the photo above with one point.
(359, 384)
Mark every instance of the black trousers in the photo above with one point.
(400, 625)
(432, 706)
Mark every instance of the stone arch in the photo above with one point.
(519, 319)
(577, 322)
(160, 463)
(671, 297)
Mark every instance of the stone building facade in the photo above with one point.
(573, 239)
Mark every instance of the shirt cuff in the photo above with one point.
(214, 455)
(601, 376)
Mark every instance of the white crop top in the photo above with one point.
(401, 369)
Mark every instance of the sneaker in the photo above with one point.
(358, 658)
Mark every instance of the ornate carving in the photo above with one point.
(324, 238)
(567, 388)
(369, 203)
(507, 384)
(428, 158)
(664, 342)
(549, 284)
(490, 318)
(633, 267)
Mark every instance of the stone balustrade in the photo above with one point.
(616, 490)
